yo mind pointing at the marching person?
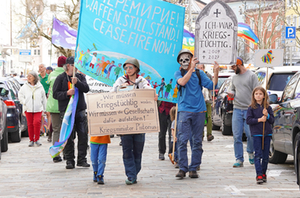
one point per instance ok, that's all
(191, 110)
(133, 144)
(32, 97)
(258, 113)
(242, 85)
(62, 91)
(52, 104)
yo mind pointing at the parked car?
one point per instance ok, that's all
(222, 112)
(221, 78)
(278, 77)
(16, 121)
(3, 128)
(286, 129)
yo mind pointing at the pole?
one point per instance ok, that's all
(291, 55)
(175, 129)
(190, 15)
(265, 104)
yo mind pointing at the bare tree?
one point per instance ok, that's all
(36, 10)
(294, 5)
(266, 21)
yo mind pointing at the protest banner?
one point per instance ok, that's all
(109, 32)
(216, 34)
(126, 112)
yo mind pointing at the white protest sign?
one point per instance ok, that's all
(126, 112)
(268, 58)
(96, 86)
(216, 34)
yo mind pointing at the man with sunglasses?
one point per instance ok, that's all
(62, 91)
(242, 86)
(133, 144)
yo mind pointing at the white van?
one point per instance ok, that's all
(278, 77)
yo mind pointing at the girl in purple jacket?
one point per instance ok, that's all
(260, 112)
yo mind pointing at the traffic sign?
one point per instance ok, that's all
(24, 55)
(290, 32)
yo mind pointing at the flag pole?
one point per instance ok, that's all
(175, 129)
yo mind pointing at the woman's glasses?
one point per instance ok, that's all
(128, 67)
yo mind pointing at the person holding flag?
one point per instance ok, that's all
(63, 89)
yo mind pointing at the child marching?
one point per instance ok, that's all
(260, 119)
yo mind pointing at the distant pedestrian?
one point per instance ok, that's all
(32, 97)
(22, 75)
(242, 85)
(257, 114)
(98, 156)
(52, 105)
(49, 70)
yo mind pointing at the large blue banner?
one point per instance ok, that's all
(110, 31)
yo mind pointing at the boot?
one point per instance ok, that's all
(95, 176)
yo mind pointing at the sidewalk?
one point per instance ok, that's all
(30, 172)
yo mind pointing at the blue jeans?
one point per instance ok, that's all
(239, 126)
(189, 122)
(132, 146)
(261, 158)
(98, 157)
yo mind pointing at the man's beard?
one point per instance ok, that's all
(238, 70)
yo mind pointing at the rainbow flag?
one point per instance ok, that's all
(188, 41)
(246, 32)
(66, 126)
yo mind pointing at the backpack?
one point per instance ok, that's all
(182, 74)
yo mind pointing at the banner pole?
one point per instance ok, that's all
(175, 129)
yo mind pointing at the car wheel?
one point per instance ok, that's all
(297, 156)
(4, 141)
(276, 157)
(226, 130)
(16, 136)
(214, 127)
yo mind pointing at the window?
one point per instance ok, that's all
(295, 21)
(53, 8)
(38, 52)
(34, 52)
(269, 24)
(297, 91)
(289, 90)
(49, 52)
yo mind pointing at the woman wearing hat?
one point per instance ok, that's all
(133, 144)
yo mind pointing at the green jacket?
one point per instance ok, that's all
(52, 104)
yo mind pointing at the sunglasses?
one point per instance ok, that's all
(128, 67)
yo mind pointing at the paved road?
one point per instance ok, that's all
(30, 172)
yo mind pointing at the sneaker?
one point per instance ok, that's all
(161, 156)
(180, 174)
(170, 157)
(259, 179)
(193, 174)
(95, 179)
(264, 176)
(210, 138)
(38, 143)
(251, 158)
(100, 180)
(83, 164)
(70, 165)
(238, 164)
(49, 139)
(57, 159)
(31, 144)
(130, 181)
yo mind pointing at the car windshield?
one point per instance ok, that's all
(221, 79)
(278, 81)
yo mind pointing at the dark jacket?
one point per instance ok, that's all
(60, 89)
(256, 128)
